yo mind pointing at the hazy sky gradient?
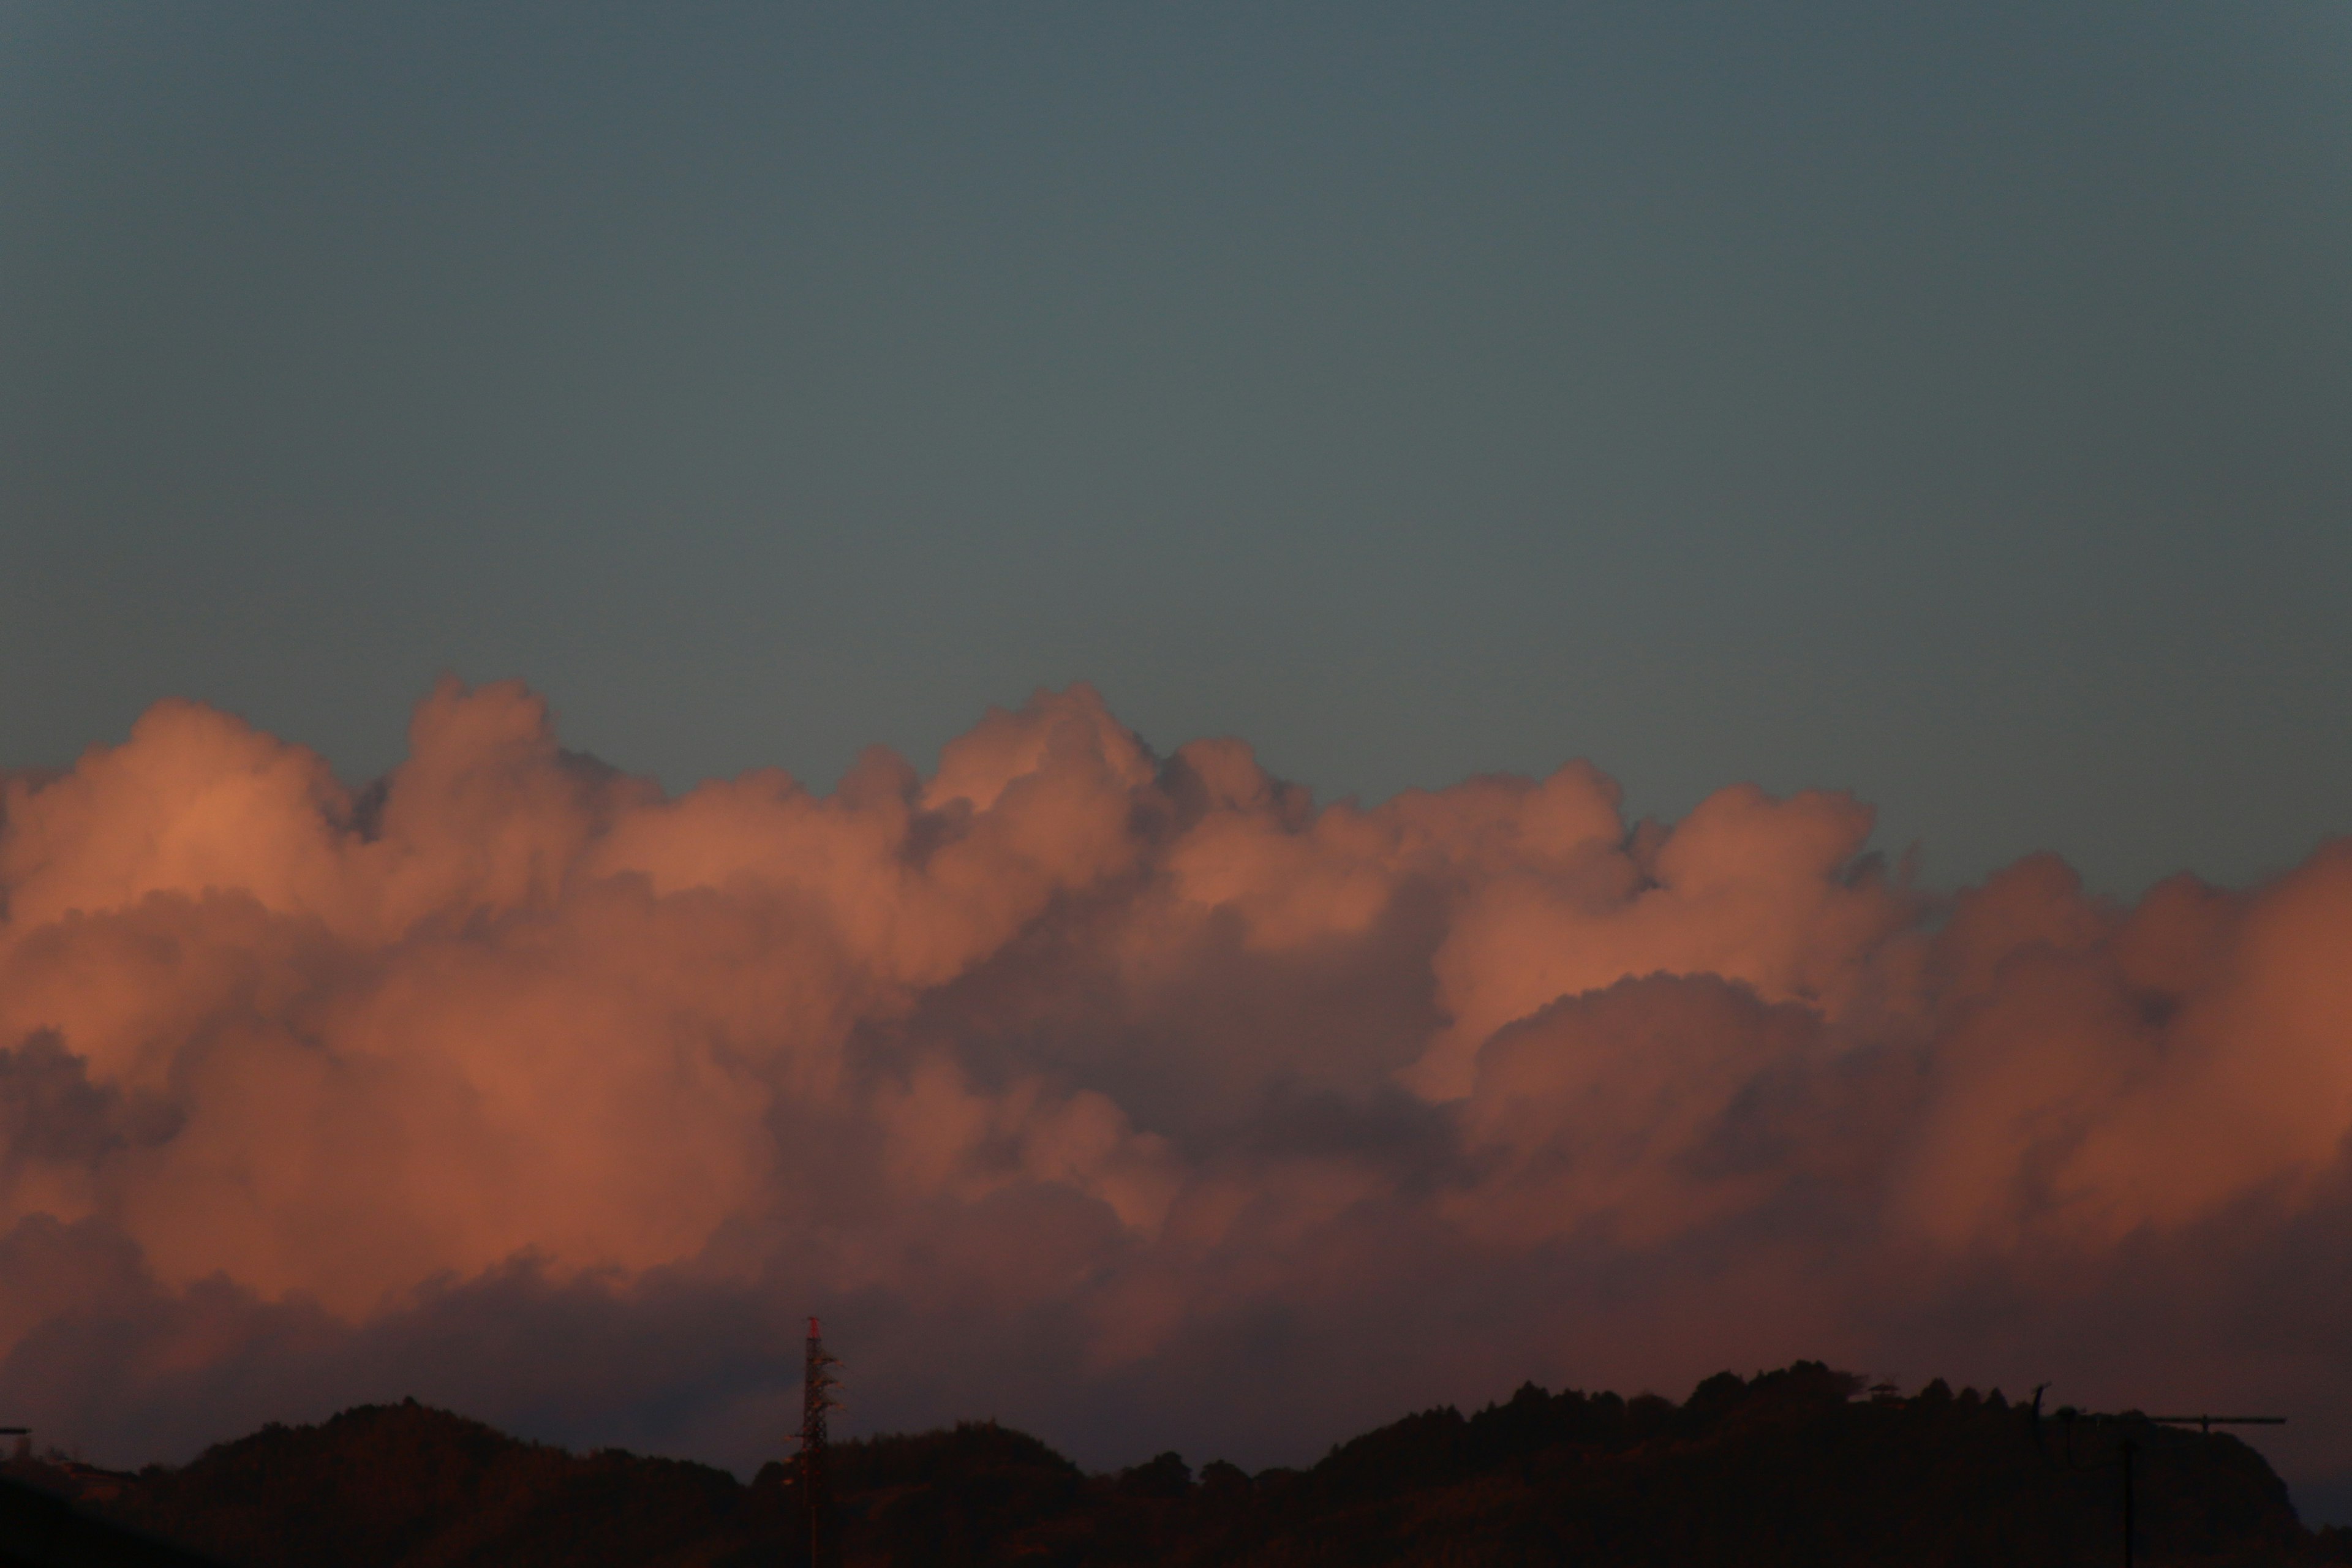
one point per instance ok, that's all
(1949, 404)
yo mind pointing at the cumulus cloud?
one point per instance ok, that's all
(1138, 1098)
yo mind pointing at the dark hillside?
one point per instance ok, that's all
(1789, 1468)
(409, 1485)
(1783, 1470)
(41, 1529)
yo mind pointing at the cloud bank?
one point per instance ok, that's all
(1138, 1099)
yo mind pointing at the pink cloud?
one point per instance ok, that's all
(1072, 1075)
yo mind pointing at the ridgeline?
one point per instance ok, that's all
(1789, 1468)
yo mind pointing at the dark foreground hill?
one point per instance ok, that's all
(1787, 1468)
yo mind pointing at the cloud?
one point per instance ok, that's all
(1140, 1099)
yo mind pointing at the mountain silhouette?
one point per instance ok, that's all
(1790, 1467)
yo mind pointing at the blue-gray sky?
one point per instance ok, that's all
(1953, 404)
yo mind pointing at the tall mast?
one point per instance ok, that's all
(817, 1397)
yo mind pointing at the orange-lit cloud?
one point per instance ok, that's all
(1138, 1098)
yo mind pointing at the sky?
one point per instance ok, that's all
(1940, 402)
(1209, 718)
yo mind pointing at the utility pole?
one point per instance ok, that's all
(2130, 1448)
(816, 1397)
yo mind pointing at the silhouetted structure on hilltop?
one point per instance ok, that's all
(2130, 1444)
(817, 1387)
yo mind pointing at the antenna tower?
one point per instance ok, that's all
(816, 1398)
